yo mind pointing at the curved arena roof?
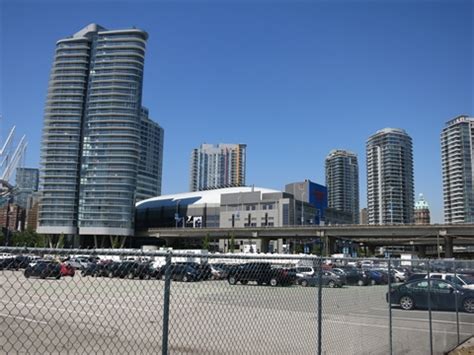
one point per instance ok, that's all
(198, 197)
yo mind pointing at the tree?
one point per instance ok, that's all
(27, 238)
(206, 242)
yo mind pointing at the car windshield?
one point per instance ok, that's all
(468, 279)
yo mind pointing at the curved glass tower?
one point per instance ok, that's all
(91, 147)
(390, 187)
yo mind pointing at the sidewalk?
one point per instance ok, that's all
(466, 348)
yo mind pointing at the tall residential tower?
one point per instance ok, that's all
(457, 153)
(390, 187)
(342, 182)
(91, 135)
(151, 158)
(218, 166)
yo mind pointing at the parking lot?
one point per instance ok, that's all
(86, 315)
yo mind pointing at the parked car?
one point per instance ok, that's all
(67, 270)
(329, 279)
(443, 294)
(376, 277)
(262, 273)
(417, 276)
(7, 264)
(43, 269)
(79, 263)
(129, 269)
(353, 276)
(181, 272)
(218, 273)
(463, 280)
(94, 270)
(399, 275)
(302, 271)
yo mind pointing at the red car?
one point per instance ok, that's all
(67, 270)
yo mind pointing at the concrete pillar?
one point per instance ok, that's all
(330, 245)
(264, 242)
(421, 249)
(448, 247)
(279, 246)
(371, 250)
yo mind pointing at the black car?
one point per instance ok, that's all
(262, 273)
(443, 294)
(181, 272)
(7, 264)
(354, 276)
(204, 269)
(129, 270)
(43, 269)
(94, 270)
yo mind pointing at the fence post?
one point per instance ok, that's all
(429, 308)
(166, 304)
(389, 300)
(320, 304)
(456, 301)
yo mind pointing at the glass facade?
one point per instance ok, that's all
(390, 186)
(218, 166)
(91, 137)
(342, 182)
(457, 152)
(151, 158)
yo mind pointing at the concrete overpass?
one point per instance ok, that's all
(446, 235)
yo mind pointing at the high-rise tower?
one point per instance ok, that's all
(150, 166)
(218, 166)
(457, 152)
(390, 187)
(91, 135)
(342, 182)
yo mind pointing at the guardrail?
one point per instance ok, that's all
(154, 301)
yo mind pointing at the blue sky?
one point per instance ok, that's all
(291, 79)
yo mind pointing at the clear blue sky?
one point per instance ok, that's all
(291, 79)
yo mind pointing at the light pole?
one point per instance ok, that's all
(301, 187)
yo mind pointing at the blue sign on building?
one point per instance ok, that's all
(318, 197)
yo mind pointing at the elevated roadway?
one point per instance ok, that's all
(374, 235)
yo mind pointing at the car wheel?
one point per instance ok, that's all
(331, 284)
(468, 305)
(244, 282)
(304, 283)
(58, 277)
(232, 280)
(373, 282)
(185, 278)
(406, 303)
(360, 283)
(27, 274)
(273, 281)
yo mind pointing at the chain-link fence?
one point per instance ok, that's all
(79, 301)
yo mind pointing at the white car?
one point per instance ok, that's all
(304, 271)
(463, 280)
(400, 275)
(80, 263)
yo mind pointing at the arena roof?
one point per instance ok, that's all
(198, 197)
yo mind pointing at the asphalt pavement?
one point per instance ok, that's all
(102, 315)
